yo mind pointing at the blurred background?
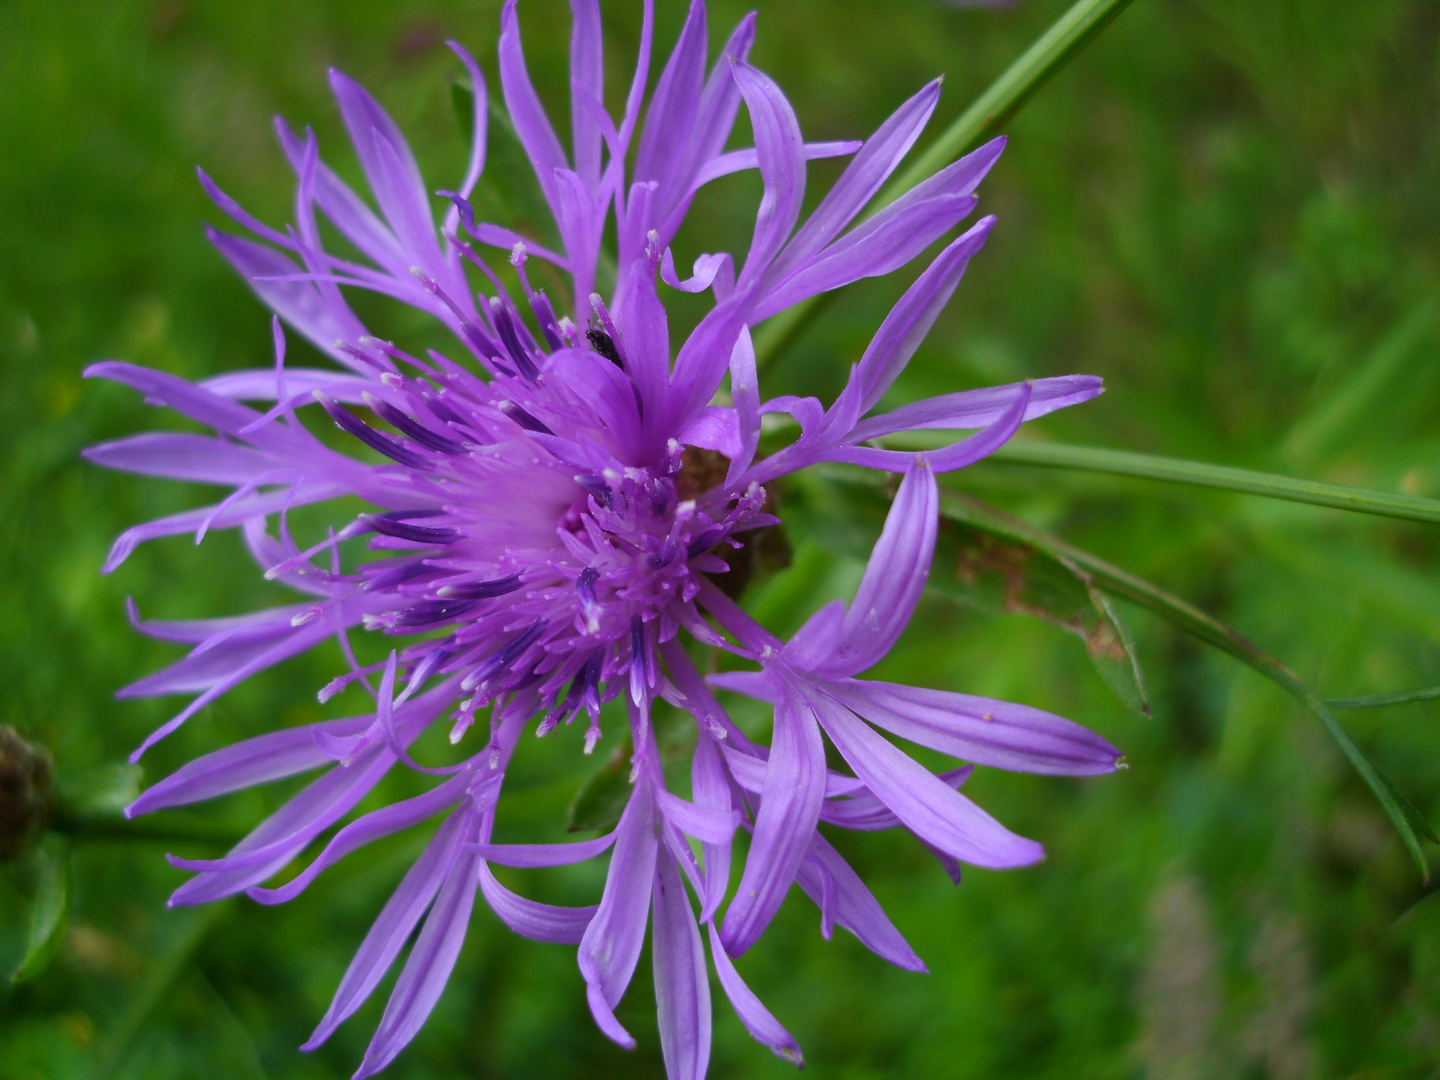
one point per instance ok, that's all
(1228, 210)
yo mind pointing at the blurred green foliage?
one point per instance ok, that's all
(1228, 209)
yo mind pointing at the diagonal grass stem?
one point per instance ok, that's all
(983, 119)
(1201, 474)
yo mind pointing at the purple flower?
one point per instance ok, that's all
(544, 538)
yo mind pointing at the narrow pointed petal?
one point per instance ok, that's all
(532, 919)
(182, 457)
(533, 855)
(874, 248)
(947, 459)
(866, 813)
(587, 76)
(983, 730)
(863, 177)
(711, 789)
(971, 409)
(260, 760)
(611, 946)
(930, 808)
(912, 317)
(532, 126)
(758, 1020)
(284, 834)
(782, 167)
(430, 962)
(299, 303)
(794, 790)
(745, 392)
(392, 928)
(827, 877)
(682, 985)
(894, 579)
(670, 118)
(390, 819)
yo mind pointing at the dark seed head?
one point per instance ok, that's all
(25, 771)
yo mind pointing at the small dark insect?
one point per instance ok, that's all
(604, 344)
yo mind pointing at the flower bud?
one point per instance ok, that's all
(25, 771)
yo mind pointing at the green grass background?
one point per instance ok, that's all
(1227, 208)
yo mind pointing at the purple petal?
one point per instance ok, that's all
(710, 825)
(972, 409)
(757, 1019)
(544, 854)
(476, 165)
(182, 457)
(894, 579)
(790, 807)
(912, 317)
(866, 813)
(828, 879)
(260, 760)
(281, 836)
(392, 928)
(179, 394)
(612, 942)
(872, 249)
(745, 392)
(388, 819)
(350, 213)
(587, 75)
(430, 962)
(782, 167)
(733, 161)
(682, 985)
(532, 126)
(929, 808)
(714, 119)
(670, 117)
(978, 729)
(751, 770)
(408, 210)
(299, 303)
(532, 919)
(262, 384)
(862, 179)
(955, 456)
(710, 785)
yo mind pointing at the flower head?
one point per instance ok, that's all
(545, 538)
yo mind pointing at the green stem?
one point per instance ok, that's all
(1186, 616)
(1180, 471)
(1375, 701)
(1004, 97)
(1000, 101)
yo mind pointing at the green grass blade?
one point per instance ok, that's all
(1403, 815)
(1000, 101)
(1350, 406)
(1376, 701)
(1201, 474)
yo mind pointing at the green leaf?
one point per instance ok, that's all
(601, 800)
(1000, 101)
(49, 911)
(1407, 820)
(1375, 701)
(1201, 474)
(1006, 577)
